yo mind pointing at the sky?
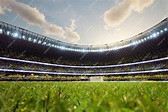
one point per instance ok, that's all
(85, 22)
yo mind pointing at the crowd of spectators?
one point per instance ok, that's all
(14, 65)
(4, 64)
(46, 77)
(5, 53)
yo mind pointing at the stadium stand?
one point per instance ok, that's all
(25, 55)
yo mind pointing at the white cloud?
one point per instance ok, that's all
(141, 4)
(54, 30)
(32, 16)
(70, 34)
(118, 14)
(1, 10)
(25, 12)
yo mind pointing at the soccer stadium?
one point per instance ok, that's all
(42, 73)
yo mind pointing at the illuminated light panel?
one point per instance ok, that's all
(1, 31)
(15, 35)
(151, 36)
(83, 50)
(161, 31)
(92, 74)
(148, 37)
(8, 32)
(101, 50)
(134, 43)
(39, 42)
(49, 44)
(29, 39)
(62, 47)
(154, 35)
(44, 43)
(23, 37)
(35, 40)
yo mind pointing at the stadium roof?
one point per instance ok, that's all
(24, 34)
(19, 40)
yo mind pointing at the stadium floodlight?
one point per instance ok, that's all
(49, 44)
(59, 47)
(83, 50)
(158, 33)
(161, 31)
(23, 37)
(39, 42)
(56, 46)
(8, 32)
(139, 41)
(116, 48)
(69, 49)
(148, 37)
(165, 29)
(151, 36)
(101, 50)
(35, 40)
(154, 35)
(79, 50)
(44, 43)
(135, 43)
(29, 39)
(142, 40)
(15, 34)
(1, 31)
(62, 47)
(75, 49)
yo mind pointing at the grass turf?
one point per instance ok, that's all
(84, 96)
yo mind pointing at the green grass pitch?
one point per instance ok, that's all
(83, 96)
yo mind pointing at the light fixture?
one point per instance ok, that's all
(44, 43)
(161, 31)
(23, 37)
(62, 47)
(154, 34)
(15, 35)
(0, 31)
(8, 32)
(39, 42)
(29, 39)
(35, 40)
(49, 44)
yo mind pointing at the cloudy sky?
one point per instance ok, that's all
(84, 21)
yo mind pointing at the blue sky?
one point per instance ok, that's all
(84, 21)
